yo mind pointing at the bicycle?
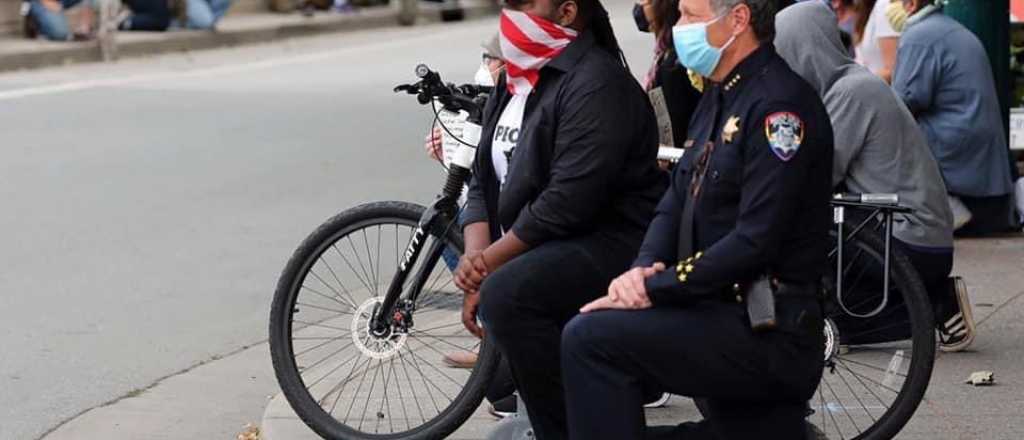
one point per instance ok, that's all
(325, 335)
(383, 330)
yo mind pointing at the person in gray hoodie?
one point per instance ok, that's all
(879, 148)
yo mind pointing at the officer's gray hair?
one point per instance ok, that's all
(762, 15)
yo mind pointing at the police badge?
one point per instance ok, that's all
(785, 132)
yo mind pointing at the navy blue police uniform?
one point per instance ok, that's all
(753, 189)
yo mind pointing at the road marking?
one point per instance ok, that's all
(74, 86)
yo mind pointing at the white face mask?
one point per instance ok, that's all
(483, 76)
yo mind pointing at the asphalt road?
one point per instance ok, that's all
(149, 205)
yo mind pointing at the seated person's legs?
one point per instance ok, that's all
(525, 304)
(200, 14)
(757, 384)
(50, 19)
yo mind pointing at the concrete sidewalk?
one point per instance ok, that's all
(234, 30)
(224, 394)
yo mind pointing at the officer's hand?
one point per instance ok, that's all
(470, 306)
(607, 303)
(629, 289)
(471, 272)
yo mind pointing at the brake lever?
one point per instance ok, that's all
(407, 88)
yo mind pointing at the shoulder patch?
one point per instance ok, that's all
(785, 132)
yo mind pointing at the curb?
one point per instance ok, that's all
(134, 45)
(280, 422)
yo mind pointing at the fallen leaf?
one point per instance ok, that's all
(251, 432)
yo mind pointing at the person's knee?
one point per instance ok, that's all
(586, 334)
(499, 300)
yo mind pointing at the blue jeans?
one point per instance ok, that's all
(52, 24)
(203, 14)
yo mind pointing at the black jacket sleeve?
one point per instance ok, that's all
(770, 195)
(590, 149)
(661, 241)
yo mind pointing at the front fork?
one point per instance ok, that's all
(436, 222)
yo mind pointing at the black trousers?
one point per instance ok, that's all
(756, 384)
(526, 303)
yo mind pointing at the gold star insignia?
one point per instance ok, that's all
(732, 125)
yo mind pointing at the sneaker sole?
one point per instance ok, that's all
(658, 403)
(968, 318)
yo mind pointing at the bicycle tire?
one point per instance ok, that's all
(906, 280)
(282, 351)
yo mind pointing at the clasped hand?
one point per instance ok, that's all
(627, 292)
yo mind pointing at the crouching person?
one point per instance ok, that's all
(742, 230)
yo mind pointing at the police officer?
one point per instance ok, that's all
(747, 213)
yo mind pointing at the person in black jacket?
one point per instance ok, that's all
(565, 183)
(747, 211)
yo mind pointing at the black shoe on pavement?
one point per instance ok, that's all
(504, 407)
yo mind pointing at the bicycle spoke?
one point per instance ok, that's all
(373, 383)
(317, 363)
(857, 396)
(336, 293)
(438, 370)
(841, 404)
(339, 312)
(344, 384)
(408, 378)
(873, 381)
(335, 275)
(352, 268)
(340, 366)
(369, 262)
(868, 389)
(359, 260)
(426, 379)
(362, 380)
(440, 340)
(328, 341)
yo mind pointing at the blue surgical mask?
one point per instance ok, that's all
(693, 49)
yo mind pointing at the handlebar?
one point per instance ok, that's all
(467, 97)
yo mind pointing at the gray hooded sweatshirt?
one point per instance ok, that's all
(879, 147)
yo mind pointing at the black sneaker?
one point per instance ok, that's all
(504, 407)
(956, 326)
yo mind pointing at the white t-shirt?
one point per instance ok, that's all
(506, 135)
(869, 54)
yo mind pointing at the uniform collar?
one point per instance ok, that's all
(570, 57)
(748, 68)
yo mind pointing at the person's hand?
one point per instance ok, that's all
(627, 292)
(664, 165)
(470, 306)
(471, 272)
(433, 145)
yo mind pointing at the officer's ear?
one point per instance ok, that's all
(739, 19)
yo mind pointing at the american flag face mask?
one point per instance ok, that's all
(528, 43)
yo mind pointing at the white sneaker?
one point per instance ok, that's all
(961, 215)
(957, 331)
(658, 403)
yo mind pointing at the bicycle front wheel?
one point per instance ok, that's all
(343, 380)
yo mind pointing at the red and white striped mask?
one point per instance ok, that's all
(528, 43)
